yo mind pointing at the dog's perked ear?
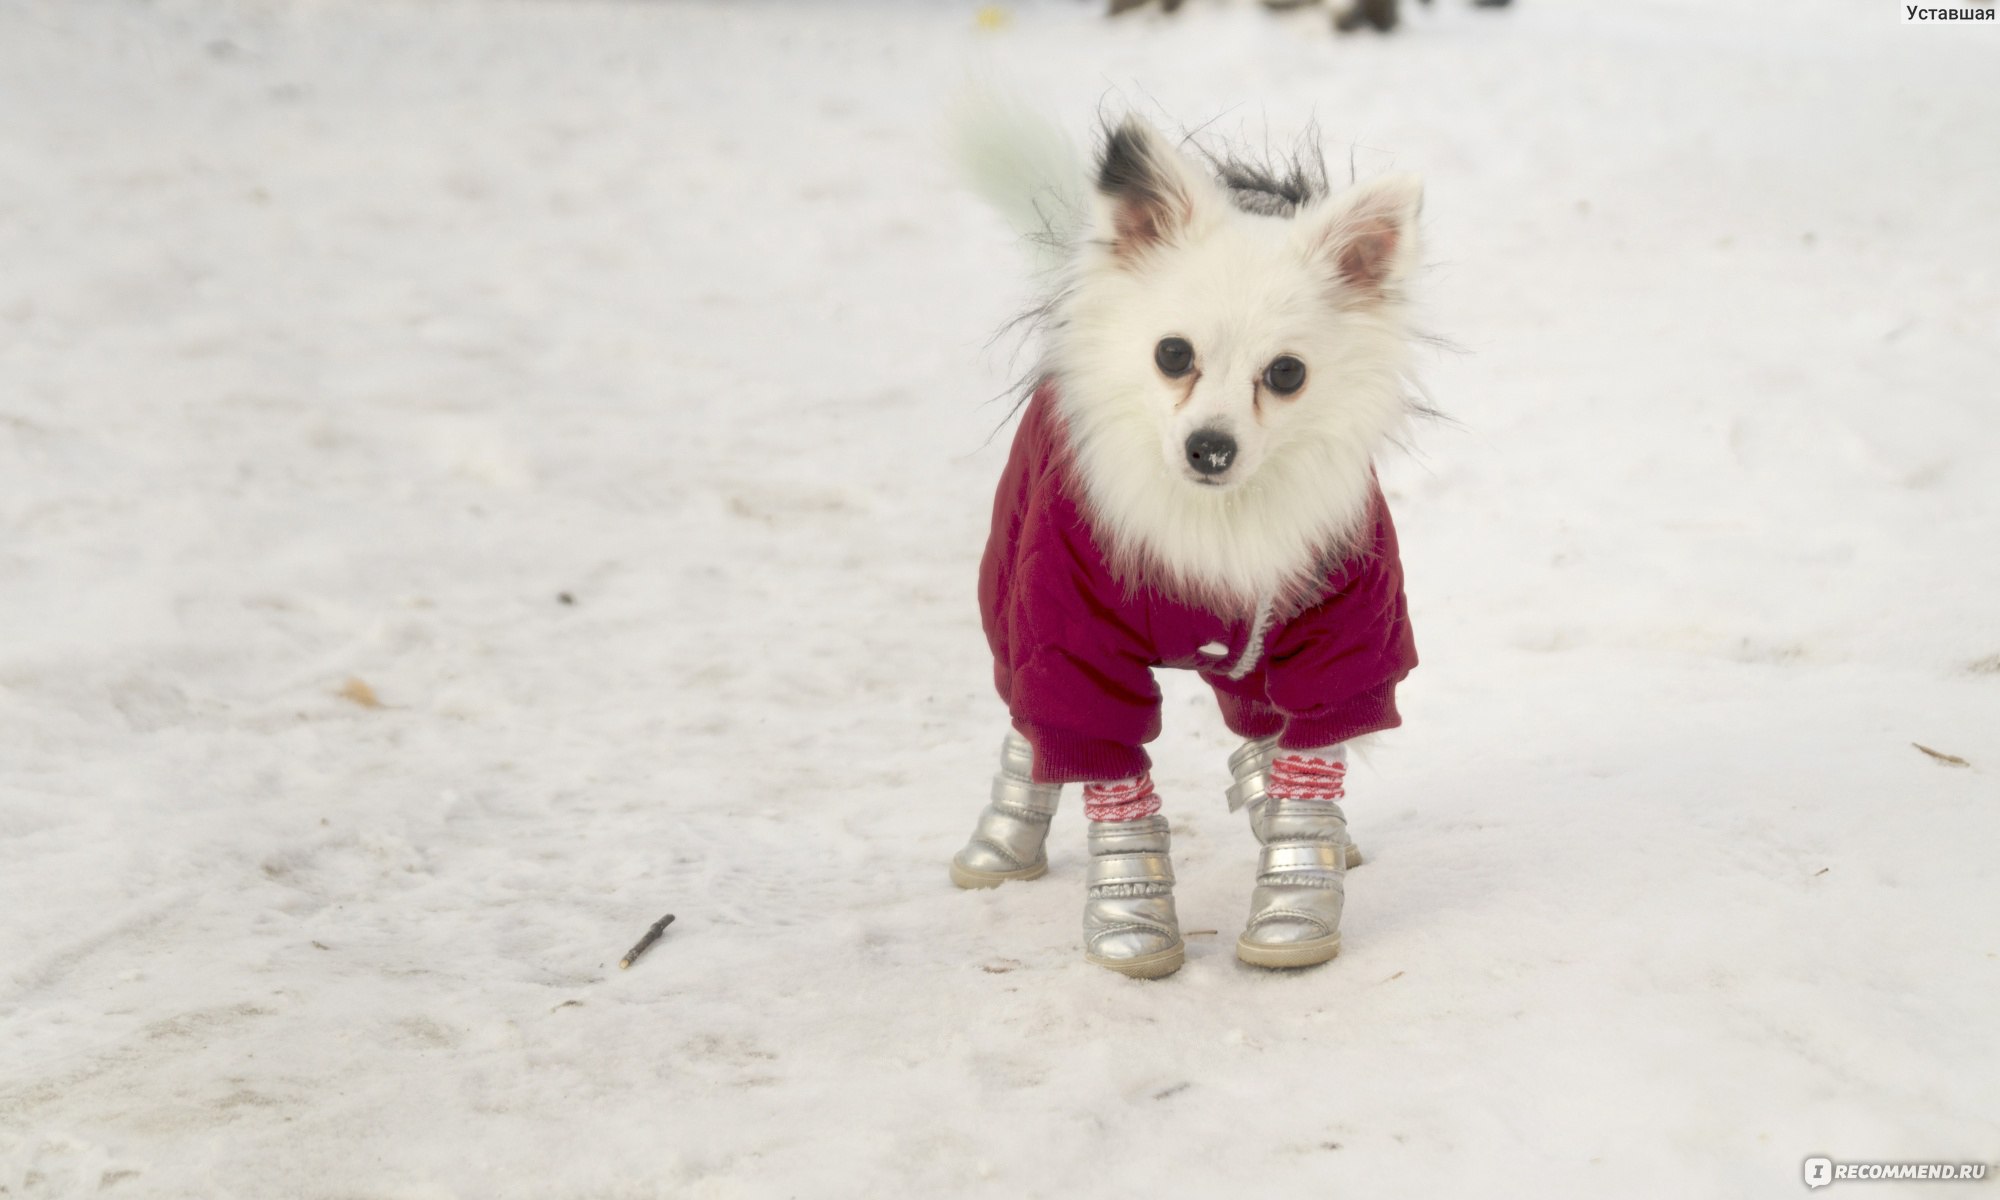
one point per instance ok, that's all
(1367, 236)
(1150, 193)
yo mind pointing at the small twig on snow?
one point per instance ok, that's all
(652, 935)
(1949, 760)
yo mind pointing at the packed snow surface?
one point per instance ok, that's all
(477, 477)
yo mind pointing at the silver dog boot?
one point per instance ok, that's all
(1301, 884)
(1007, 843)
(1129, 923)
(1250, 764)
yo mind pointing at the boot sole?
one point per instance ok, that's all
(1157, 965)
(1295, 954)
(970, 879)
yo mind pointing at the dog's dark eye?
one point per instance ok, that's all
(1174, 357)
(1285, 375)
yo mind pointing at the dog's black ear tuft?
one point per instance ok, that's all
(1148, 188)
(1125, 168)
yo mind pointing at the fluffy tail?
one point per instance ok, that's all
(1027, 168)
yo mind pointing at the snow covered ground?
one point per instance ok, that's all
(341, 342)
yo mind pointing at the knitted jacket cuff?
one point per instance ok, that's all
(1064, 757)
(1370, 712)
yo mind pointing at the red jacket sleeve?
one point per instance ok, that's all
(1067, 659)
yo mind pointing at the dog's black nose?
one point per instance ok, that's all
(1210, 451)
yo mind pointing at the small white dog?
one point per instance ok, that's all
(1191, 485)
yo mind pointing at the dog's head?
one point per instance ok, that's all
(1228, 330)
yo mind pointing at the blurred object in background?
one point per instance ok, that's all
(1376, 14)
